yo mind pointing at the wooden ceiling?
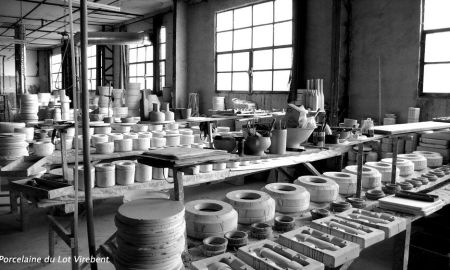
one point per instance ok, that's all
(45, 20)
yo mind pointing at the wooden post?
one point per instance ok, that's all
(178, 186)
(359, 173)
(394, 158)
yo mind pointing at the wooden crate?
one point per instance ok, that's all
(204, 264)
(43, 189)
(346, 251)
(392, 225)
(249, 256)
(363, 235)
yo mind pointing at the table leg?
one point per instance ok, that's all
(401, 249)
(23, 216)
(359, 173)
(13, 201)
(178, 186)
(211, 145)
(394, 158)
(51, 241)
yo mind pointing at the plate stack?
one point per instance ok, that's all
(13, 146)
(150, 235)
(133, 98)
(29, 108)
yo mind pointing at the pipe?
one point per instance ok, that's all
(75, 118)
(114, 38)
(86, 146)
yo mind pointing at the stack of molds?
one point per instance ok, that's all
(252, 206)
(436, 142)
(385, 169)
(289, 198)
(222, 261)
(405, 166)
(321, 189)
(205, 218)
(371, 178)
(346, 181)
(419, 161)
(357, 233)
(390, 224)
(434, 159)
(268, 255)
(330, 250)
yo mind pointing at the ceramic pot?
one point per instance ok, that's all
(42, 149)
(156, 115)
(256, 145)
(143, 173)
(81, 177)
(278, 143)
(169, 116)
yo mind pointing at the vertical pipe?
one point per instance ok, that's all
(394, 158)
(85, 119)
(75, 118)
(20, 59)
(360, 158)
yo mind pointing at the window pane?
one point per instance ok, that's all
(283, 10)
(281, 80)
(436, 14)
(133, 79)
(149, 82)
(283, 58)
(243, 17)
(140, 80)
(283, 33)
(436, 78)
(262, 81)
(224, 21)
(263, 36)
(263, 13)
(224, 62)
(223, 81)
(162, 52)
(162, 82)
(262, 59)
(149, 53)
(240, 81)
(141, 54)
(242, 39)
(162, 68)
(162, 35)
(241, 61)
(132, 55)
(140, 69)
(437, 47)
(224, 41)
(149, 71)
(132, 70)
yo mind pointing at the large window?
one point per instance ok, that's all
(92, 67)
(55, 70)
(140, 67)
(142, 61)
(162, 58)
(435, 53)
(254, 47)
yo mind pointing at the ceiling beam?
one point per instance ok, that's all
(92, 9)
(23, 17)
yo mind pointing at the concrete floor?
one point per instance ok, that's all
(34, 242)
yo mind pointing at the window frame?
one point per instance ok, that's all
(92, 69)
(156, 76)
(251, 50)
(422, 63)
(58, 73)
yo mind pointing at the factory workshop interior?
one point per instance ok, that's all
(224, 134)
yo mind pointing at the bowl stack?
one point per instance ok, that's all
(133, 98)
(150, 234)
(13, 146)
(29, 108)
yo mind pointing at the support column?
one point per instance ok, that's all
(180, 54)
(20, 60)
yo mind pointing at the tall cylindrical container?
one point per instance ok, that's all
(278, 144)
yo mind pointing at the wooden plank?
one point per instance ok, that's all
(23, 167)
(180, 153)
(410, 127)
(43, 189)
